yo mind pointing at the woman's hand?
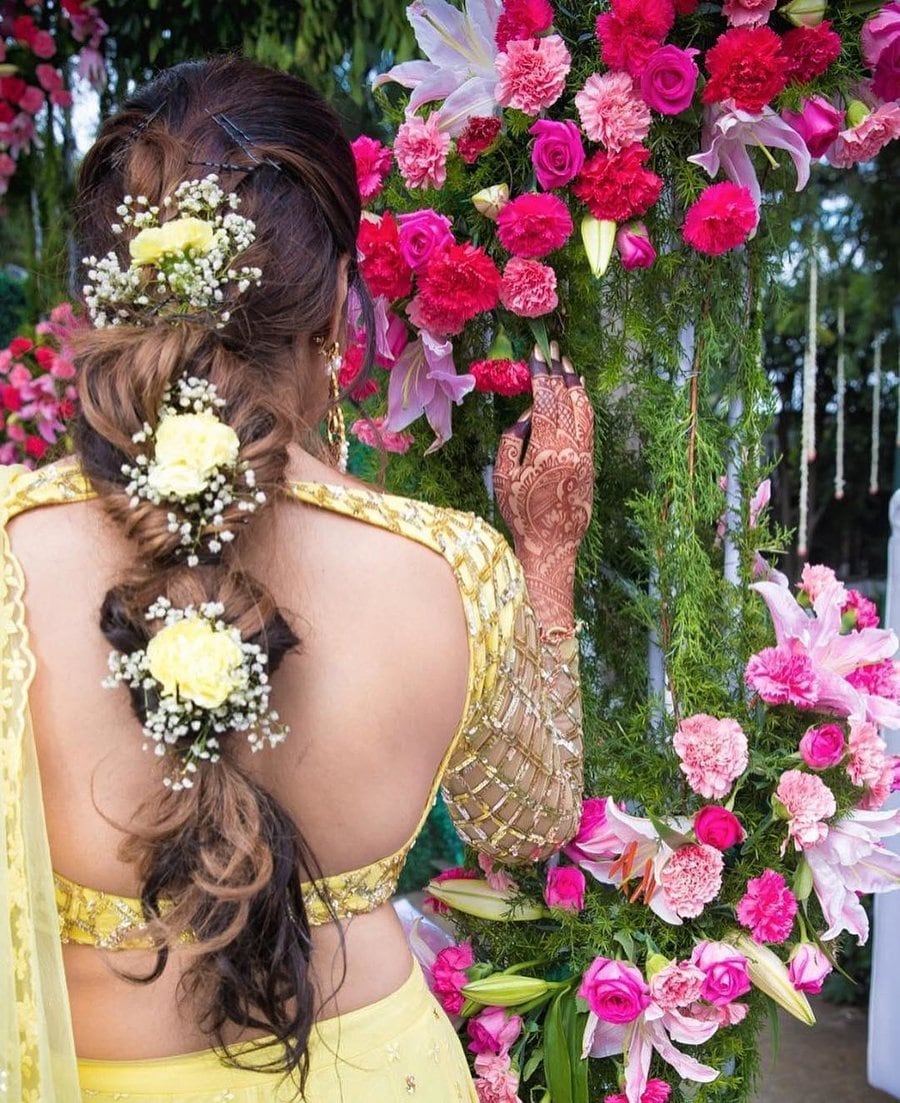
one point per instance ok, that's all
(544, 485)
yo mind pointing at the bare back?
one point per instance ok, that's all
(373, 698)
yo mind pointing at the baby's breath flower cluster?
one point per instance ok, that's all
(199, 681)
(194, 464)
(182, 258)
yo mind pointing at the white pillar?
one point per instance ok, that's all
(884, 1006)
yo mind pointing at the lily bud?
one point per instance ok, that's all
(769, 974)
(505, 989)
(491, 201)
(857, 112)
(655, 964)
(803, 881)
(479, 899)
(805, 13)
(502, 348)
(599, 239)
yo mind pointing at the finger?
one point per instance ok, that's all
(538, 364)
(516, 437)
(584, 417)
(570, 376)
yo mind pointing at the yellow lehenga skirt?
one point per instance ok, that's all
(402, 1047)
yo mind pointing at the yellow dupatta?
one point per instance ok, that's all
(37, 1054)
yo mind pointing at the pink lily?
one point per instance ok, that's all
(461, 49)
(424, 380)
(833, 655)
(852, 859)
(728, 131)
(655, 1029)
(636, 850)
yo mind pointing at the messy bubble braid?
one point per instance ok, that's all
(218, 856)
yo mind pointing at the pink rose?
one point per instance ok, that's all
(634, 246)
(677, 985)
(615, 990)
(808, 967)
(496, 1081)
(449, 976)
(421, 234)
(818, 124)
(565, 888)
(726, 972)
(886, 78)
(493, 1031)
(528, 288)
(557, 154)
(718, 827)
(879, 32)
(669, 80)
(822, 747)
(748, 13)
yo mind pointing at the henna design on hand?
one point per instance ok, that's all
(544, 486)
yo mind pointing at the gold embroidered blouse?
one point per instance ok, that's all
(512, 776)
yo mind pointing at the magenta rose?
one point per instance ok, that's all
(422, 233)
(808, 967)
(818, 124)
(718, 827)
(669, 80)
(726, 971)
(886, 79)
(822, 747)
(557, 154)
(634, 246)
(879, 32)
(615, 991)
(565, 888)
(493, 1031)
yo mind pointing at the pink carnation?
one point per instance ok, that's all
(371, 432)
(677, 986)
(498, 879)
(449, 976)
(421, 149)
(532, 73)
(528, 288)
(877, 679)
(815, 579)
(534, 225)
(631, 31)
(864, 611)
(523, 19)
(373, 163)
(721, 218)
(808, 802)
(713, 753)
(782, 676)
(863, 142)
(691, 878)
(506, 377)
(868, 754)
(657, 1091)
(768, 908)
(611, 113)
(748, 13)
(496, 1081)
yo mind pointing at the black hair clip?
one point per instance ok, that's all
(224, 166)
(241, 139)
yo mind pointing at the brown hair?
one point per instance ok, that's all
(223, 852)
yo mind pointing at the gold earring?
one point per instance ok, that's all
(335, 427)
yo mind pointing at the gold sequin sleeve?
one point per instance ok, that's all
(514, 781)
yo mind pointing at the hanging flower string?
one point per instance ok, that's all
(179, 267)
(876, 415)
(199, 680)
(808, 431)
(195, 464)
(839, 484)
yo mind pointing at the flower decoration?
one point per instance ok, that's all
(182, 258)
(195, 465)
(198, 681)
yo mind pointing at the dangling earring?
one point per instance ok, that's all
(335, 429)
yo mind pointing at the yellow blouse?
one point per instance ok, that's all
(512, 776)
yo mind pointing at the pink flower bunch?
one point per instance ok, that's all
(768, 907)
(713, 753)
(449, 976)
(808, 803)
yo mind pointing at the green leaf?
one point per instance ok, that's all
(539, 331)
(625, 940)
(531, 1065)
(566, 1071)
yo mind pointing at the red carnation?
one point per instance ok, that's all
(66, 409)
(533, 225)
(810, 51)
(457, 284)
(10, 397)
(632, 31)
(686, 7)
(18, 346)
(617, 186)
(479, 135)
(523, 19)
(45, 356)
(746, 65)
(506, 377)
(721, 219)
(351, 369)
(381, 262)
(36, 448)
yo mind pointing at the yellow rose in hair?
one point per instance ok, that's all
(177, 236)
(192, 659)
(189, 447)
